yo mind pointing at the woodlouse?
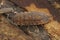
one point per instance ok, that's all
(29, 18)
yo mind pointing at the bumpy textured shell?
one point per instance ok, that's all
(29, 18)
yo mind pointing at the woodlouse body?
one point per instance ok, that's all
(29, 18)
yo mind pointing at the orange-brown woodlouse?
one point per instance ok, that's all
(29, 18)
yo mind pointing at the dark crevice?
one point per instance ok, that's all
(42, 32)
(5, 15)
(23, 28)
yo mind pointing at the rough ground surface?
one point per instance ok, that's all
(33, 5)
(10, 32)
(43, 6)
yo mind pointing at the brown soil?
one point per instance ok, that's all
(43, 6)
